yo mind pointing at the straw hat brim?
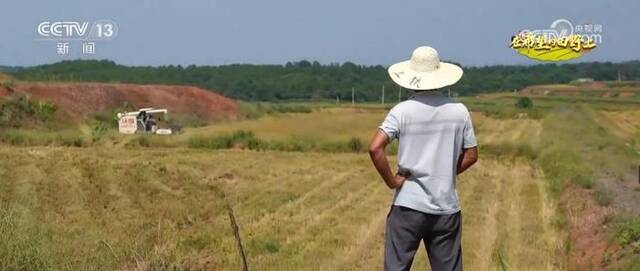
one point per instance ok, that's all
(445, 75)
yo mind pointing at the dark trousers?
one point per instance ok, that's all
(440, 233)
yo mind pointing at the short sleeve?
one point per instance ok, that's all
(391, 125)
(469, 136)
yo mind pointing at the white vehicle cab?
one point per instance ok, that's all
(145, 120)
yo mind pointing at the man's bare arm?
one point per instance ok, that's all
(377, 148)
(467, 159)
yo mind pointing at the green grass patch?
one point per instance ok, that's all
(509, 149)
(21, 137)
(583, 181)
(246, 139)
(629, 233)
(562, 165)
(257, 110)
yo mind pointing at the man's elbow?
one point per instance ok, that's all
(471, 155)
(473, 160)
(375, 150)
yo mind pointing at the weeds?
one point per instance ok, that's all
(98, 132)
(628, 234)
(509, 149)
(583, 181)
(561, 165)
(245, 139)
(18, 249)
(21, 111)
(603, 196)
(559, 221)
(20, 137)
(239, 139)
(257, 110)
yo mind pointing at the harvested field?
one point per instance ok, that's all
(163, 208)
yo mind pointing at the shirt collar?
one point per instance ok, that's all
(427, 93)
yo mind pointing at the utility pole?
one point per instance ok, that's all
(383, 94)
(619, 77)
(399, 92)
(337, 99)
(353, 96)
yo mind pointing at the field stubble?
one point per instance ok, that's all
(124, 209)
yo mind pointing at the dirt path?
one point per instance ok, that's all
(586, 232)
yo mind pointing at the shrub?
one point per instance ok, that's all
(355, 144)
(583, 181)
(44, 111)
(524, 102)
(98, 132)
(21, 111)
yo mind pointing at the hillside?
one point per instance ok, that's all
(306, 80)
(80, 100)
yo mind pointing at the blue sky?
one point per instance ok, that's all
(209, 32)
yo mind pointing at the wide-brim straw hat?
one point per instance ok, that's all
(424, 71)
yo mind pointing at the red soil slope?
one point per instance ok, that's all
(79, 100)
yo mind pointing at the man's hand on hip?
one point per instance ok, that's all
(399, 178)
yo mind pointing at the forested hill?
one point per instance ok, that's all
(311, 80)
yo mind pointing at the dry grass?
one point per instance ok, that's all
(340, 124)
(96, 208)
(327, 124)
(492, 131)
(142, 209)
(624, 124)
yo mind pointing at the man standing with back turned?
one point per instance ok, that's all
(436, 142)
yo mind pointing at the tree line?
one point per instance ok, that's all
(304, 80)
